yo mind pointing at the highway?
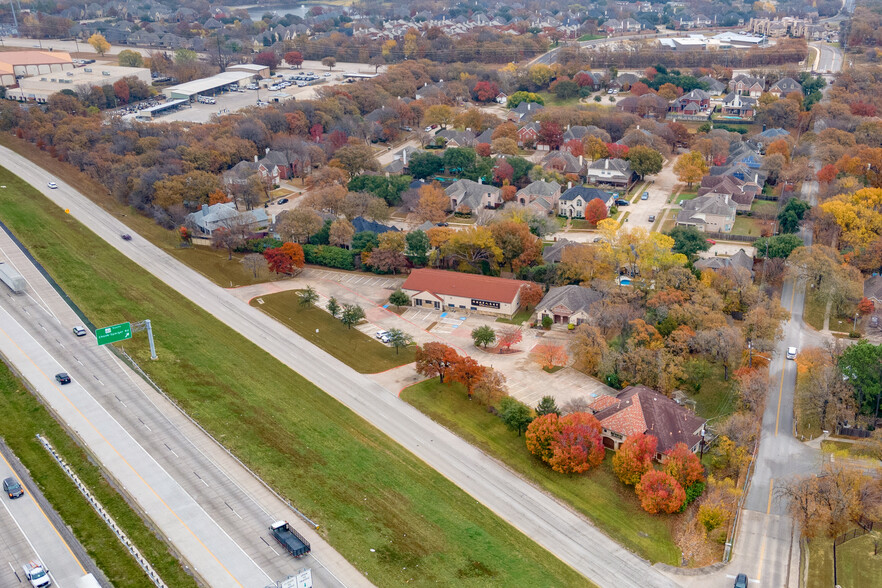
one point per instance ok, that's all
(549, 522)
(212, 510)
(29, 531)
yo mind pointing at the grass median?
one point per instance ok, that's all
(396, 519)
(24, 417)
(357, 350)
(611, 505)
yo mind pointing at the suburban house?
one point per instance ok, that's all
(456, 138)
(873, 290)
(735, 104)
(714, 87)
(224, 215)
(740, 259)
(441, 290)
(275, 164)
(616, 172)
(361, 224)
(741, 192)
(568, 304)
(539, 189)
(572, 203)
(785, 86)
(564, 162)
(693, 102)
(524, 112)
(712, 213)
(473, 195)
(746, 85)
(554, 252)
(638, 409)
(528, 134)
(241, 173)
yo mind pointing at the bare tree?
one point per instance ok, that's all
(255, 263)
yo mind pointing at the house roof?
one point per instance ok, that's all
(873, 288)
(463, 285)
(587, 194)
(540, 188)
(740, 259)
(787, 85)
(719, 204)
(638, 409)
(554, 252)
(573, 298)
(619, 165)
(469, 192)
(360, 224)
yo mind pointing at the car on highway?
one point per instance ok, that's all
(791, 353)
(79, 331)
(12, 488)
(126, 237)
(645, 196)
(62, 378)
(741, 581)
(37, 574)
(53, 185)
(282, 201)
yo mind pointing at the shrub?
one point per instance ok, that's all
(660, 492)
(329, 256)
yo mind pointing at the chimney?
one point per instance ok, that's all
(480, 179)
(255, 159)
(267, 151)
(404, 157)
(204, 209)
(581, 160)
(569, 185)
(529, 105)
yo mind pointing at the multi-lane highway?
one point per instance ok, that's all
(212, 510)
(552, 524)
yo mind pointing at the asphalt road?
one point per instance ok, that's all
(550, 523)
(28, 534)
(830, 60)
(200, 497)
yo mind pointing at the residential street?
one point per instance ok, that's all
(553, 525)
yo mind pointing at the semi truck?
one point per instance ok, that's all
(12, 278)
(37, 574)
(290, 539)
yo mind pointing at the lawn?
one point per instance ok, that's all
(717, 396)
(813, 313)
(363, 489)
(518, 319)
(552, 100)
(855, 562)
(682, 196)
(361, 352)
(745, 225)
(31, 417)
(588, 37)
(768, 207)
(599, 495)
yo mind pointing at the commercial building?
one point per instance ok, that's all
(442, 290)
(261, 71)
(20, 64)
(209, 86)
(39, 88)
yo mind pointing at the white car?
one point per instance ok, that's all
(327, 74)
(791, 353)
(53, 185)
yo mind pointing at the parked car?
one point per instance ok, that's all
(598, 239)
(622, 202)
(79, 331)
(282, 201)
(53, 185)
(645, 196)
(652, 218)
(62, 378)
(791, 353)
(12, 488)
(711, 241)
(741, 581)
(874, 321)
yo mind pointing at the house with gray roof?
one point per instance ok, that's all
(716, 263)
(470, 195)
(572, 203)
(712, 213)
(741, 192)
(785, 86)
(568, 304)
(223, 215)
(615, 172)
(524, 112)
(538, 189)
(714, 87)
(873, 290)
(564, 162)
(554, 252)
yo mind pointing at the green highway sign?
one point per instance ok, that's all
(114, 333)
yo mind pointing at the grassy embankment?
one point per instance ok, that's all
(364, 490)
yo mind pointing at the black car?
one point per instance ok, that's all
(12, 488)
(62, 378)
(741, 581)
(621, 202)
(282, 201)
(126, 237)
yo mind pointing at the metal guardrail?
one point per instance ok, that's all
(730, 540)
(120, 534)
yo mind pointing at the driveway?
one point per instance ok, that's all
(660, 188)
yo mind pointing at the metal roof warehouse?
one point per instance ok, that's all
(207, 85)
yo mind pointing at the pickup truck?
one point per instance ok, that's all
(37, 574)
(290, 539)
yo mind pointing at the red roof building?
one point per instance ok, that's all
(638, 409)
(435, 289)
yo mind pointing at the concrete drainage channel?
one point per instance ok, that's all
(142, 561)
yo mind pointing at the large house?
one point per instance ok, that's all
(785, 86)
(741, 192)
(568, 304)
(524, 112)
(716, 263)
(554, 252)
(564, 162)
(473, 195)
(224, 215)
(737, 105)
(443, 290)
(712, 213)
(572, 203)
(692, 103)
(638, 409)
(714, 87)
(616, 172)
(540, 195)
(746, 85)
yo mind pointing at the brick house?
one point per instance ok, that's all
(436, 289)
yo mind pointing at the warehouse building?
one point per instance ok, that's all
(39, 88)
(434, 289)
(21, 64)
(209, 86)
(262, 71)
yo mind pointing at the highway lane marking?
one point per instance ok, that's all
(97, 379)
(145, 425)
(200, 479)
(172, 450)
(771, 485)
(120, 401)
(271, 547)
(231, 508)
(37, 504)
(123, 459)
(784, 365)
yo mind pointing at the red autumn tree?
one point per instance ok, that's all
(649, 73)
(315, 131)
(866, 306)
(550, 134)
(660, 492)
(684, 466)
(436, 359)
(827, 173)
(549, 356)
(278, 261)
(295, 252)
(267, 58)
(862, 109)
(121, 91)
(595, 211)
(483, 149)
(531, 294)
(639, 89)
(294, 58)
(508, 336)
(578, 446)
(541, 434)
(467, 372)
(509, 193)
(583, 79)
(575, 147)
(503, 172)
(634, 457)
(485, 91)
(616, 150)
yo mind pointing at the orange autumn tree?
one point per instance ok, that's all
(660, 492)
(549, 356)
(467, 372)
(541, 434)
(436, 359)
(684, 466)
(578, 446)
(634, 457)
(295, 252)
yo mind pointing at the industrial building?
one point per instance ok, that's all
(262, 71)
(209, 86)
(38, 88)
(21, 64)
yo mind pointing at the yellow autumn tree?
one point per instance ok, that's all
(690, 167)
(99, 43)
(859, 215)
